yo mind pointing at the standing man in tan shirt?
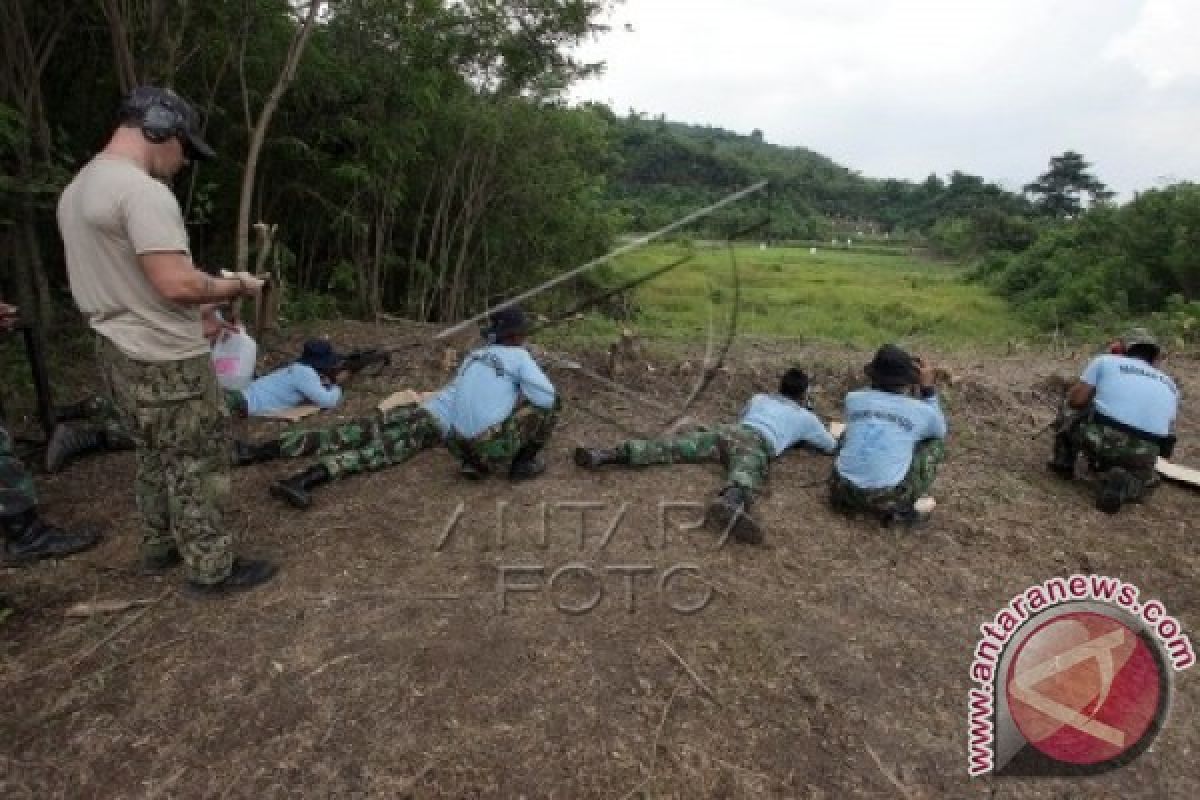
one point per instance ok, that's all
(132, 275)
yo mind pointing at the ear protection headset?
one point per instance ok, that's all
(160, 122)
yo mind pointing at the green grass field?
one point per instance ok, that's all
(833, 295)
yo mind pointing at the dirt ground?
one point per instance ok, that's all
(831, 662)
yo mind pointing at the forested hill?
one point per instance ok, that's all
(666, 168)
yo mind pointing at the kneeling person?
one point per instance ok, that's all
(893, 443)
(1120, 413)
(769, 425)
(497, 413)
(503, 408)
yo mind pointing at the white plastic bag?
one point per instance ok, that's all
(233, 358)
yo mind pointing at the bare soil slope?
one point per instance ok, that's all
(831, 662)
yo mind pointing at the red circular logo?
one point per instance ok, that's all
(1084, 688)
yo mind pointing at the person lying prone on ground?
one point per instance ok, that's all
(93, 424)
(769, 425)
(496, 415)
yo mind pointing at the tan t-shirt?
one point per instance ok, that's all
(111, 213)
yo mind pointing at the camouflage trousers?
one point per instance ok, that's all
(16, 484)
(927, 457)
(365, 444)
(235, 403)
(528, 428)
(1106, 448)
(174, 412)
(745, 454)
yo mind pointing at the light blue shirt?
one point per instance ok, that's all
(288, 387)
(488, 384)
(441, 406)
(783, 422)
(882, 429)
(1134, 393)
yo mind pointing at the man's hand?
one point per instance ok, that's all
(250, 284)
(213, 324)
(927, 376)
(8, 316)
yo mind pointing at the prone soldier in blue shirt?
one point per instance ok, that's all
(769, 425)
(495, 416)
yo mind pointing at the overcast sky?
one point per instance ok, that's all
(902, 88)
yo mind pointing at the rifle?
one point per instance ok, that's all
(356, 361)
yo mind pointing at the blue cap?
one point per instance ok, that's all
(320, 355)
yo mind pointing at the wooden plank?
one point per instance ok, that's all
(290, 414)
(1178, 473)
(404, 397)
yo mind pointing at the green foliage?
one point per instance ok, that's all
(305, 306)
(422, 159)
(1058, 189)
(1110, 263)
(985, 231)
(668, 169)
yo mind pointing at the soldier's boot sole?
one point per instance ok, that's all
(294, 496)
(725, 516)
(1112, 491)
(246, 574)
(158, 563)
(47, 542)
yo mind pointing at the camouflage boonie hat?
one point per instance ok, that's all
(1139, 336)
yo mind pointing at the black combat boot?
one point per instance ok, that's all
(526, 464)
(27, 538)
(593, 457)
(730, 511)
(74, 411)
(1063, 463)
(68, 441)
(160, 562)
(246, 574)
(295, 490)
(245, 453)
(1114, 489)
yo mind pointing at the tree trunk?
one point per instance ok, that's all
(118, 29)
(259, 134)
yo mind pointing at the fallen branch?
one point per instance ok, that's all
(104, 607)
(327, 665)
(88, 651)
(900, 787)
(654, 746)
(405, 789)
(691, 672)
